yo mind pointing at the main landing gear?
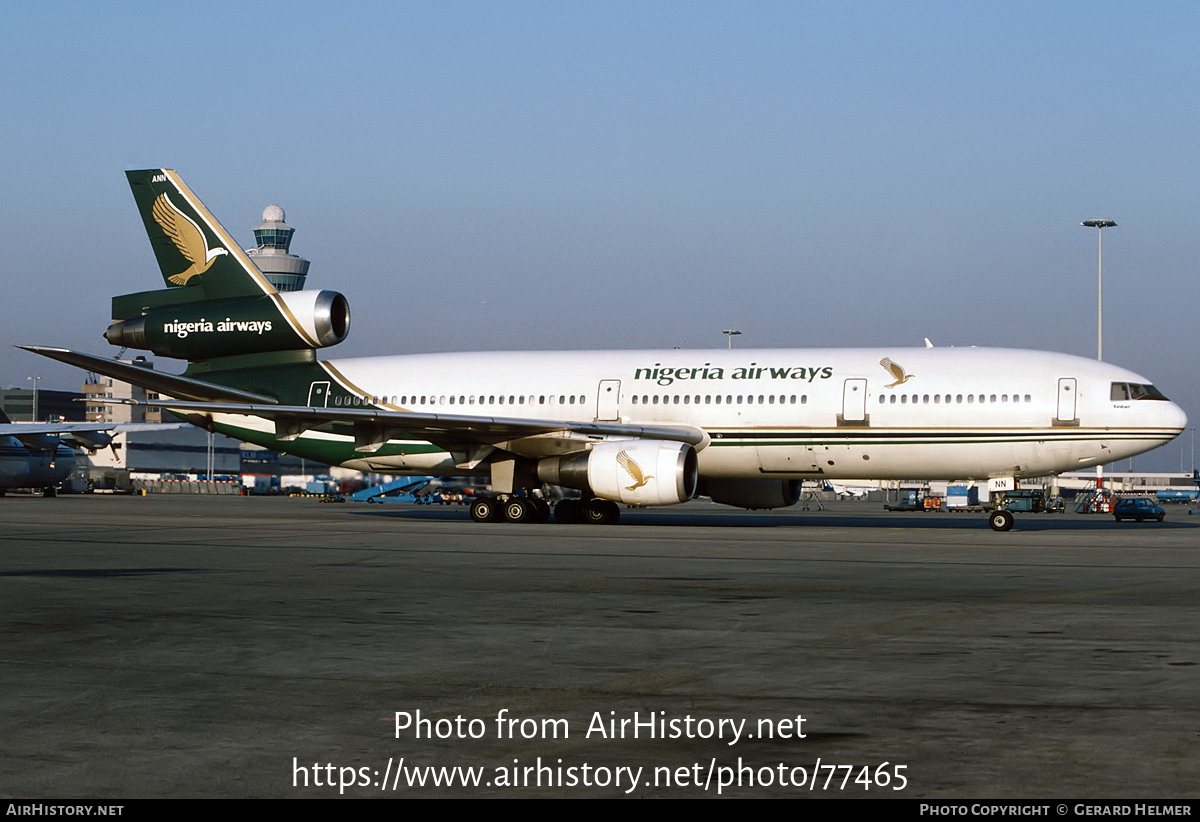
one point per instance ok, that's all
(510, 509)
(593, 512)
(535, 509)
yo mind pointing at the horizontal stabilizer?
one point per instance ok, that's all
(172, 385)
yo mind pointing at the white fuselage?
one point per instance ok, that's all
(944, 413)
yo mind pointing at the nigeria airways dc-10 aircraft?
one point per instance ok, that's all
(644, 428)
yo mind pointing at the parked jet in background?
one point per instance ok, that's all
(34, 455)
(844, 490)
(642, 428)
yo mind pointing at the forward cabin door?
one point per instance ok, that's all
(1067, 402)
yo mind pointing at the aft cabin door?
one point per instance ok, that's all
(608, 406)
(318, 394)
(1067, 390)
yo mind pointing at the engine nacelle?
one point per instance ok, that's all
(635, 472)
(756, 494)
(247, 325)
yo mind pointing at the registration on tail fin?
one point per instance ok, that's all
(217, 303)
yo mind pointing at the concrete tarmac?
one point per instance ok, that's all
(263, 647)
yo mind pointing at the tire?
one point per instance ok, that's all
(518, 510)
(486, 509)
(541, 509)
(568, 511)
(601, 512)
(1001, 520)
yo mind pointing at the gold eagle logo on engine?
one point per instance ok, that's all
(188, 238)
(633, 470)
(896, 371)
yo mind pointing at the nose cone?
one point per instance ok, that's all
(1173, 417)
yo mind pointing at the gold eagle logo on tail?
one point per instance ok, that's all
(633, 469)
(896, 371)
(188, 238)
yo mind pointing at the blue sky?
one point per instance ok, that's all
(590, 175)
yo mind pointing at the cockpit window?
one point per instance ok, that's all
(1124, 391)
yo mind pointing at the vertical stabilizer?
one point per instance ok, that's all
(192, 248)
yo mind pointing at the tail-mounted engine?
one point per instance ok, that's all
(203, 329)
(635, 472)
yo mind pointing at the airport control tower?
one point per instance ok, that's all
(286, 271)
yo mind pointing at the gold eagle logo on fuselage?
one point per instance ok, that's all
(896, 371)
(188, 238)
(633, 469)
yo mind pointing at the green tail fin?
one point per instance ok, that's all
(193, 249)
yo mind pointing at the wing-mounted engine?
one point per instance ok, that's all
(756, 494)
(92, 440)
(635, 472)
(203, 329)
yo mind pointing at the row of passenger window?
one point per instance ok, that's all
(443, 399)
(949, 399)
(580, 399)
(672, 399)
(718, 399)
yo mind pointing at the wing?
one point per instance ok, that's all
(41, 436)
(19, 429)
(372, 427)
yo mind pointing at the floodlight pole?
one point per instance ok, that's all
(34, 380)
(731, 333)
(1099, 225)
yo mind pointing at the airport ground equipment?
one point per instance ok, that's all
(1033, 500)
(1096, 501)
(405, 489)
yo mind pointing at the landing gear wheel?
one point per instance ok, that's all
(486, 509)
(568, 511)
(541, 509)
(518, 510)
(601, 512)
(1001, 520)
